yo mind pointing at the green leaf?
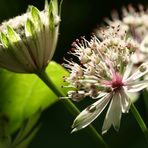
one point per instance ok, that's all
(26, 142)
(27, 131)
(5, 139)
(27, 127)
(24, 94)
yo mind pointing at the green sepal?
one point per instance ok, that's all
(60, 7)
(46, 6)
(12, 35)
(4, 40)
(29, 8)
(29, 28)
(51, 21)
(55, 6)
(36, 16)
(51, 16)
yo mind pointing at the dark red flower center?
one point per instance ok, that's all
(116, 81)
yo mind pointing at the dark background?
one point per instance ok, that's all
(79, 17)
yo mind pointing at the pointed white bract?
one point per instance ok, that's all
(105, 72)
(28, 42)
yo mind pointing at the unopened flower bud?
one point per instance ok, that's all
(28, 41)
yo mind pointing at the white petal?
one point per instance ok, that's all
(146, 78)
(101, 95)
(128, 71)
(90, 113)
(125, 101)
(137, 86)
(132, 83)
(133, 96)
(113, 115)
(138, 73)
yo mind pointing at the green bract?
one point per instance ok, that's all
(28, 42)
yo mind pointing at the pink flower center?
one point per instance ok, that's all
(116, 82)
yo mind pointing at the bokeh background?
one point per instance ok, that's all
(79, 18)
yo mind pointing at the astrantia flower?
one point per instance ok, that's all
(28, 42)
(104, 73)
(134, 22)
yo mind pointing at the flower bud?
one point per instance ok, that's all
(28, 42)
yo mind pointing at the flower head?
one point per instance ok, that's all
(104, 72)
(134, 22)
(28, 42)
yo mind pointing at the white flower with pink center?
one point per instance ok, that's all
(104, 72)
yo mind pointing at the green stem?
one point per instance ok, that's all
(70, 107)
(140, 121)
(145, 97)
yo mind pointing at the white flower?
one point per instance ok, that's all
(105, 73)
(135, 23)
(28, 42)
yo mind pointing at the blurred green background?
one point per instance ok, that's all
(79, 18)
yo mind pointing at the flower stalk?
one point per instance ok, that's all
(73, 110)
(140, 121)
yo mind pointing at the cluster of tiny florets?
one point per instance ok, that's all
(134, 22)
(105, 68)
(97, 61)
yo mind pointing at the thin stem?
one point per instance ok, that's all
(70, 107)
(140, 121)
(145, 98)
